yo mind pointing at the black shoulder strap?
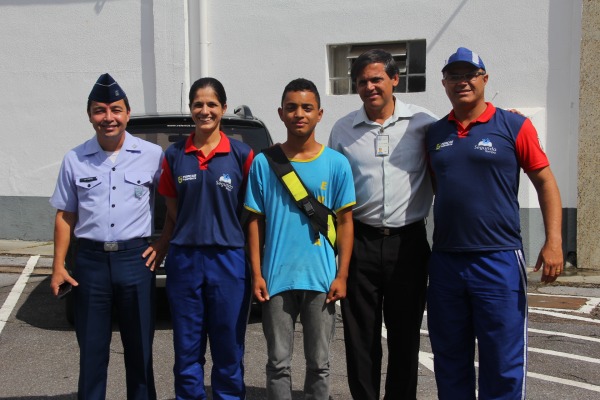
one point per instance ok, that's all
(322, 219)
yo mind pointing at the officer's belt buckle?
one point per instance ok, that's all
(111, 246)
(385, 231)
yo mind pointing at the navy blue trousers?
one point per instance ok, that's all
(209, 295)
(478, 295)
(114, 281)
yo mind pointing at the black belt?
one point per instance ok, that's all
(112, 246)
(362, 228)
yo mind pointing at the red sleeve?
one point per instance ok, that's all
(248, 163)
(166, 186)
(529, 151)
(246, 167)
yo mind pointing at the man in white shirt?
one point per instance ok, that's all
(384, 142)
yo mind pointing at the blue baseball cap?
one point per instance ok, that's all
(464, 55)
(106, 90)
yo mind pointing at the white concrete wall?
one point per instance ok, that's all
(53, 51)
(531, 50)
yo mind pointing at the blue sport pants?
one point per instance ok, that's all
(209, 294)
(478, 295)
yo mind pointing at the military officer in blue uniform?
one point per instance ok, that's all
(104, 198)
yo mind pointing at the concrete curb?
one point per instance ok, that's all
(23, 248)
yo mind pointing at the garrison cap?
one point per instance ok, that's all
(106, 90)
(465, 55)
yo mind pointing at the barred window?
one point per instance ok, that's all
(410, 56)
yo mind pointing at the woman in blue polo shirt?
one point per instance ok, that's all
(208, 281)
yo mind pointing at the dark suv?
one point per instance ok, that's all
(166, 129)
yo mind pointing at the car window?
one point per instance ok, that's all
(165, 131)
(165, 134)
(254, 136)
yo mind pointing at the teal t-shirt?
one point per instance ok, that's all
(293, 259)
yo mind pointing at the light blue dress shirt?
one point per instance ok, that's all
(113, 201)
(392, 190)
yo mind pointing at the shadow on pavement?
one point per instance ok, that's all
(70, 396)
(44, 311)
(257, 393)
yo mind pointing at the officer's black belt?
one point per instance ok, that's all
(365, 229)
(112, 246)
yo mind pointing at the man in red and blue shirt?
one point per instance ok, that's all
(477, 275)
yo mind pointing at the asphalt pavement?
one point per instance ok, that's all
(574, 281)
(12, 251)
(564, 319)
(14, 255)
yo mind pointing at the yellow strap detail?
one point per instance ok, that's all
(293, 183)
(331, 233)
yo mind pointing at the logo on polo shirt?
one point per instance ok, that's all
(444, 144)
(225, 182)
(184, 178)
(486, 145)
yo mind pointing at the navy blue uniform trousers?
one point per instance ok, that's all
(209, 294)
(479, 295)
(121, 281)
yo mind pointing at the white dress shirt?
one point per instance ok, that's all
(393, 190)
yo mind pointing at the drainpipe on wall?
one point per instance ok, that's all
(203, 10)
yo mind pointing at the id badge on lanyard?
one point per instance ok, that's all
(382, 144)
